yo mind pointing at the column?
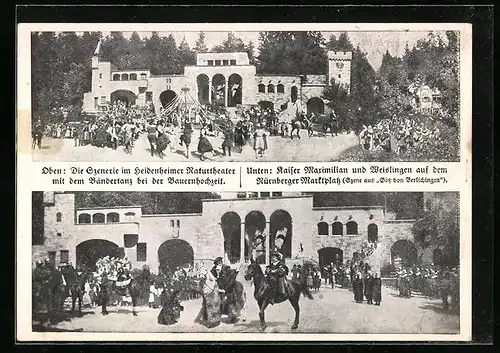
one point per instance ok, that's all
(223, 251)
(242, 243)
(268, 241)
(209, 90)
(226, 95)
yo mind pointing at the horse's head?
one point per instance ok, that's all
(252, 270)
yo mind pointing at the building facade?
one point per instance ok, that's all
(225, 227)
(226, 78)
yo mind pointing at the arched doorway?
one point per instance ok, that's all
(266, 105)
(88, 252)
(122, 95)
(235, 92)
(231, 229)
(174, 253)
(403, 253)
(372, 233)
(294, 94)
(202, 82)
(166, 97)
(315, 105)
(329, 255)
(255, 225)
(281, 227)
(219, 89)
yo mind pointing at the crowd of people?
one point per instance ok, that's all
(398, 135)
(122, 124)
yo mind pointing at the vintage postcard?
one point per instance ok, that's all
(213, 182)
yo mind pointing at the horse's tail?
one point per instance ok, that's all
(305, 291)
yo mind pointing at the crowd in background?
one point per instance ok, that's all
(398, 135)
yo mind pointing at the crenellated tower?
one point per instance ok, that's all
(339, 68)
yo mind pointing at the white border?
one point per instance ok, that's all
(26, 174)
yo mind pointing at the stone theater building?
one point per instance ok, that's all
(225, 227)
(226, 78)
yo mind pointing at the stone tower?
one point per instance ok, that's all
(339, 68)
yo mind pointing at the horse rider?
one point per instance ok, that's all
(276, 273)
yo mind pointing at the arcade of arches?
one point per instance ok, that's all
(242, 239)
(218, 90)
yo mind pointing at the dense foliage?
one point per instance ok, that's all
(151, 202)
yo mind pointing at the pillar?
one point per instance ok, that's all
(268, 241)
(242, 243)
(209, 90)
(226, 91)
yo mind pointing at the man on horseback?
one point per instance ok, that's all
(276, 273)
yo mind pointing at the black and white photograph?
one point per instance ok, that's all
(246, 262)
(348, 96)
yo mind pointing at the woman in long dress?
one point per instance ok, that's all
(186, 136)
(152, 136)
(204, 145)
(171, 308)
(260, 142)
(163, 139)
(210, 312)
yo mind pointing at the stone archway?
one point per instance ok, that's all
(219, 89)
(404, 253)
(266, 105)
(88, 252)
(281, 227)
(202, 82)
(328, 255)
(126, 96)
(255, 225)
(174, 253)
(235, 91)
(315, 105)
(166, 97)
(231, 229)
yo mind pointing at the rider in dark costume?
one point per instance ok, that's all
(276, 273)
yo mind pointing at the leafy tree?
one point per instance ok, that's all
(186, 55)
(230, 44)
(200, 46)
(440, 226)
(292, 53)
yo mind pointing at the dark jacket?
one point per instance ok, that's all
(277, 273)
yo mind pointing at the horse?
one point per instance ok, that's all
(75, 286)
(296, 126)
(263, 293)
(49, 287)
(109, 287)
(331, 125)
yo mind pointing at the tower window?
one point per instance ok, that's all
(233, 62)
(210, 63)
(58, 217)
